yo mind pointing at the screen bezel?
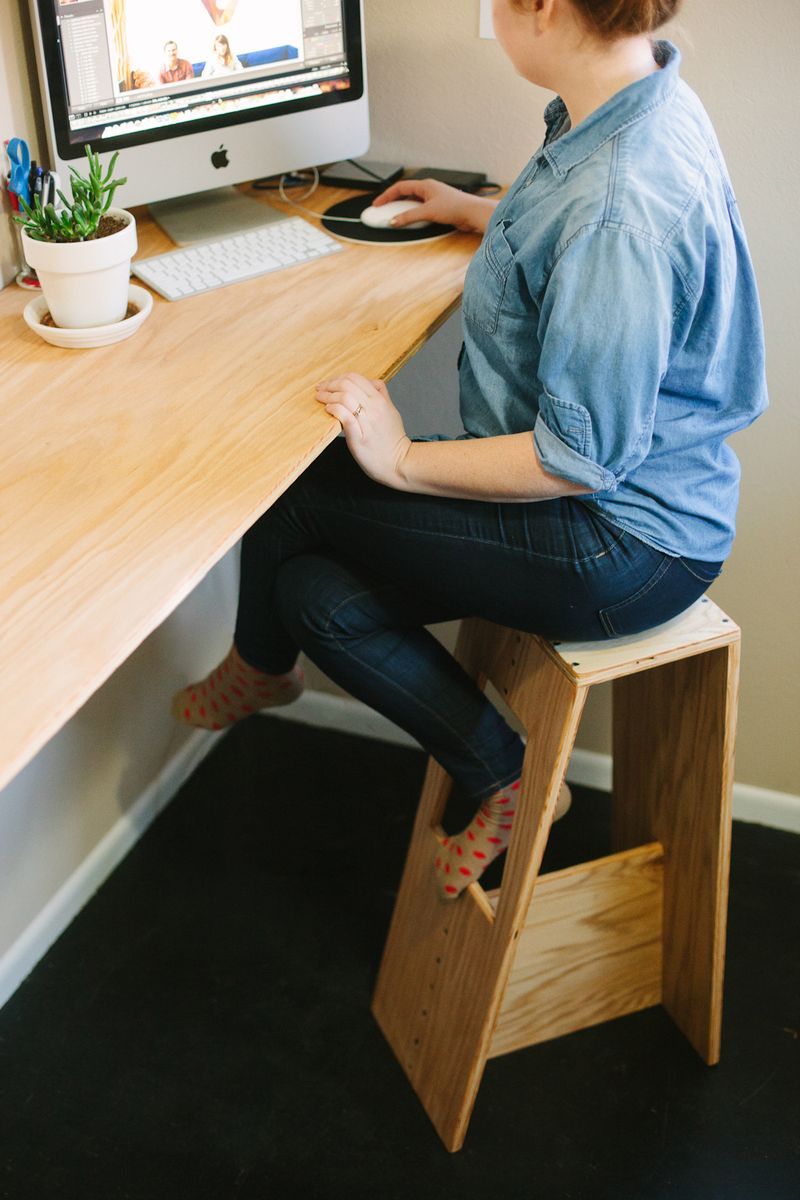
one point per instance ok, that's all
(68, 150)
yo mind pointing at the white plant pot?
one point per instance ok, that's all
(85, 283)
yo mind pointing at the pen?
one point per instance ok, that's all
(50, 185)
(36, 182)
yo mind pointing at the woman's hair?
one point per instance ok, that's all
(619, 18)
(220, 39)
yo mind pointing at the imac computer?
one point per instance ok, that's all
(201, 94)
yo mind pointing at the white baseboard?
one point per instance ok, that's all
(23, 955)
(348, 716)
(589, 769)
(780, 810)
(762, 806)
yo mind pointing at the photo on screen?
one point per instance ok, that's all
(167, 43)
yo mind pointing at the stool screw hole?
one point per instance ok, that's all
(576, 664)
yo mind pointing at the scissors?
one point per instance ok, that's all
(20, 158)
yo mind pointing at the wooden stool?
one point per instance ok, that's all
(492, 972)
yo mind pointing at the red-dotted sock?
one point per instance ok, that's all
(463, 858)
(232, 691)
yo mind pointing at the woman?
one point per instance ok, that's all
(223, 61)
(612, 341)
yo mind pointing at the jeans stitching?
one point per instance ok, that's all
(699, 578)
(458, 537)
(342, 647)
(608, 620)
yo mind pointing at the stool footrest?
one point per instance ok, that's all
(590, 949)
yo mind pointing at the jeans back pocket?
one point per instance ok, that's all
(668, 591)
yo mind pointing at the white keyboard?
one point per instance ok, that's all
(208, 265)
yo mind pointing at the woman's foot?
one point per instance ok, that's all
(462, 859)
(232, 691)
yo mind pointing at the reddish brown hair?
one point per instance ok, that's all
(619, 18)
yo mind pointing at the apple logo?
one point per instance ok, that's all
(220, 158)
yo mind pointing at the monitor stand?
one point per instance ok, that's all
(205, 216)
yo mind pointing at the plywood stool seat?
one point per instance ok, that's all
(492, 972)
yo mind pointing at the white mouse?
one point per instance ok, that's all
(382, 217)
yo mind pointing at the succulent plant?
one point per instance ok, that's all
(79, 219)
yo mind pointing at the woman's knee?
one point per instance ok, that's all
(320, 600)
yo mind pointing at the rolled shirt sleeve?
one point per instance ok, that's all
(605, 331)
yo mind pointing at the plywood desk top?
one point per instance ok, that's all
(126, 472)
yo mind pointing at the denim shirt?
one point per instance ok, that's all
(612, 310)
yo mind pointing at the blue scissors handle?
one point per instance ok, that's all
(20, 158)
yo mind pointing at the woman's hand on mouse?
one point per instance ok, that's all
(373, 427)
(441, 203)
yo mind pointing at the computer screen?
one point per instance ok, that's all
(201, 93)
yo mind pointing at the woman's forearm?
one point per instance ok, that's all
(505, 468)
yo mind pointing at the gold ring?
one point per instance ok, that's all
(358, 410)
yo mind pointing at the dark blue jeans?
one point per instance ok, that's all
(351, 572)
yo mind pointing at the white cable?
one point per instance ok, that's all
(311, 190)
(309, 211)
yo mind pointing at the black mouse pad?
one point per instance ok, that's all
(353, 231)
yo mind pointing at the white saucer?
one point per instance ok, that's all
(96, 335)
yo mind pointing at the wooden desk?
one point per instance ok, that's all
(127, 472)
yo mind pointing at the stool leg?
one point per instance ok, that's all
(445, 966)
(674, 731)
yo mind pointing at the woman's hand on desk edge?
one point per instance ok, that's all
(441, 203)
(373, 427)
(503, 468)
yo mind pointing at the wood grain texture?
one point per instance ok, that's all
(445, 966)
(436, 991)
(590, 950)
(694, 631)
(128, 471)
(674, 733)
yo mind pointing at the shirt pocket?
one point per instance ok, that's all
(487, 278)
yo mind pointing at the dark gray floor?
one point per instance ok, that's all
(202, 1030)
